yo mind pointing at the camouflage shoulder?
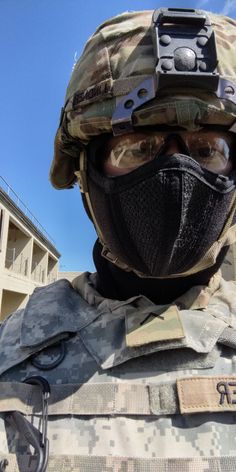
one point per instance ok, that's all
(52, 313)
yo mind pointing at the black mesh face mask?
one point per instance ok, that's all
(162, 218)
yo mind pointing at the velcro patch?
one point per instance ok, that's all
(93, 93)
(160, 324)
(207, 394)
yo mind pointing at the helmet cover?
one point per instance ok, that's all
(125, 56)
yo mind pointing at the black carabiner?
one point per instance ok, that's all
(43, 449)
(3, 464)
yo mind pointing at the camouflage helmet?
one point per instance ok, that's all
(116, 59)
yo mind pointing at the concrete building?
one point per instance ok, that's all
(68, 275)
(28, 257)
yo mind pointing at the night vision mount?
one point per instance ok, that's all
(186, 56)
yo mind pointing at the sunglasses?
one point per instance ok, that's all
(211, 149)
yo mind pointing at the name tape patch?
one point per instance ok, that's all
(207, 394)
(93, 93)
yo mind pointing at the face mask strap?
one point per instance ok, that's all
(82, 182)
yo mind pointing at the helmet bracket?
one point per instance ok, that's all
(186, 57)
(185, 49)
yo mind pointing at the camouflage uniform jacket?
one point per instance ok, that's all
(134, 386)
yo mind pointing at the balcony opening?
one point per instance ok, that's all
(17, 253)
(11, 301)
(38, 267)
(52, 270)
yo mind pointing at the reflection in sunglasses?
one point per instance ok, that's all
(212, 150)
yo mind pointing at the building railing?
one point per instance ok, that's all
(51, 278)
(38, 273)
(16, 199)
(19, 264)
(16, 262)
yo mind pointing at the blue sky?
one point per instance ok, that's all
(39, 39)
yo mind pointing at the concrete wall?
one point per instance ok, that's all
(39, 264)
(68, 275)
(12, 301)
(18, 252)
(26, 260)
(52, 269)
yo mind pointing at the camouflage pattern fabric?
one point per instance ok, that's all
(117, 464)
(124, 57)
(93, 331)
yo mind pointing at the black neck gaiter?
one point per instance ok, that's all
(117, 284)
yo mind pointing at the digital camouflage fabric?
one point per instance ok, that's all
(124, 57)
(118, 408)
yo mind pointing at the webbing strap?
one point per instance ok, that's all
(91, 399)
(228, 337)
(121, 464)
(187, 395)
(125, 85)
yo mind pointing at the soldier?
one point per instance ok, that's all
(133, 368)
